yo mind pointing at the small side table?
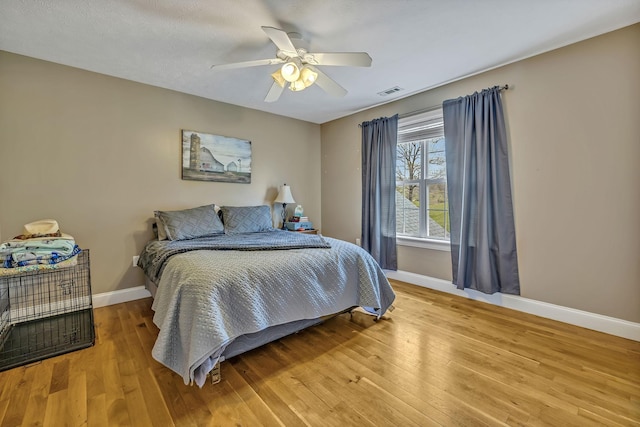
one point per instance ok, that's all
(313, 231)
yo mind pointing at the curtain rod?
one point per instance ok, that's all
(424, 110)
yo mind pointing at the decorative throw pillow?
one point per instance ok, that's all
(246, 219)
(190, 223)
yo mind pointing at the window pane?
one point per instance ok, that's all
(436, 164)
(408, 165)
(438, 212)
(421, 176)
(408, 209)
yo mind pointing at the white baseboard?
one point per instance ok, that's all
(122, 295)
(585, 319)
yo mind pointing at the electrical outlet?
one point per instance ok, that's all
(135, 260)
(358, 242)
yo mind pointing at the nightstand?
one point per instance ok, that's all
(314, 231)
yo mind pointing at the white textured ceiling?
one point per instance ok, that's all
(415, 44)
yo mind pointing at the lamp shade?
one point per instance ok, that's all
(284, 195)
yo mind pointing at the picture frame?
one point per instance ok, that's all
(210, 157)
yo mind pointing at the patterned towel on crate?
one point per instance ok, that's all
(26, 255)
(37, 267)
(62, 245)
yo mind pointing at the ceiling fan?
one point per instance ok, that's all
(299, 66)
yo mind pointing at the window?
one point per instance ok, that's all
(422, 208)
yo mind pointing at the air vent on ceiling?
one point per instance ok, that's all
(390, 91)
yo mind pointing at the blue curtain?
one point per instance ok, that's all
(379, 140)
(483, 239)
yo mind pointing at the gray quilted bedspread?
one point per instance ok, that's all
(155, 254)
(207, 298)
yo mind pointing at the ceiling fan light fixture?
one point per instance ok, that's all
(277, 76)
(297, 86)
(290, 71)
(297, 65)
(308, 76)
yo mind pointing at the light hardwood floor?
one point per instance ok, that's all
(436, 360)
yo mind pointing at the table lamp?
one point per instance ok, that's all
(284, 197)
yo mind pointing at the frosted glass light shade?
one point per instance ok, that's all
(277, 76)
(308, 76)
(290, 71)
(297, 86)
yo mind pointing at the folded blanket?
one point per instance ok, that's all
(31, 268)
(61, 245)
(22, 257)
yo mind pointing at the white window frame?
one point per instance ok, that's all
(427, 119)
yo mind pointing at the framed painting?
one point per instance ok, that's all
(208, 157)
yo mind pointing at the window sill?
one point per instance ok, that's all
(416, 242)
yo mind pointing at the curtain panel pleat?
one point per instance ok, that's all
(483, 241)
(379, 141)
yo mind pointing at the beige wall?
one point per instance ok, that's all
(99, 154)
(574, 126)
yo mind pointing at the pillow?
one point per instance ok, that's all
(246, 219)
(190, 223)
(160, 232)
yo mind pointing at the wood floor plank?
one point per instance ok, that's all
(18, 395)
(60, 376)
(77, 399)
(4, 405)
(117, 411)
(137, 409)
(39, 394)
(92, 363)
(247, 395)
(299, 398)
(170, 385)
(437, 359)
(56, 412)
(266, 393)
(154, 402)
(97, 411)
(305, 377)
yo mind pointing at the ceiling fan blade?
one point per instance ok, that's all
(274, 93)
(329, 85)
(281, 40)
(351, 59)
(255, 63)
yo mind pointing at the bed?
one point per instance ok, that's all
(220, 294)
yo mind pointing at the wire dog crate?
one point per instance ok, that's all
(45, 313)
